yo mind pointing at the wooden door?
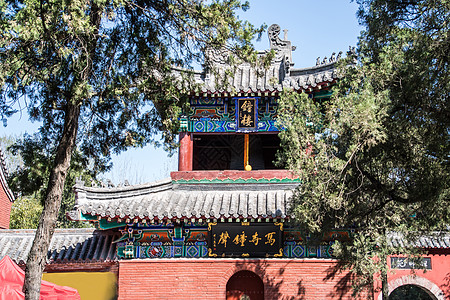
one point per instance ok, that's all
(245, 285)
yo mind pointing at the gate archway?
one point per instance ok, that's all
(245, 285)
(426, 285)
(411, 291)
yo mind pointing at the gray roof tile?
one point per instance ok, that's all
(67, 245)
(166, 200)
(430, 240)
(247, 78)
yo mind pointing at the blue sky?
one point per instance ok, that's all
(316, 28)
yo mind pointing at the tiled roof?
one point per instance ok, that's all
(246, 79)
(67, 245)
(278, 75)
(168, 200)
(431, 240)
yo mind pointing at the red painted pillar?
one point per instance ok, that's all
(186, 151)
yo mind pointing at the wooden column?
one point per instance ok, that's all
(247, 166)
(186, 151)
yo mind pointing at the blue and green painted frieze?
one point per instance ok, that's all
(218, 115)
(207, 240)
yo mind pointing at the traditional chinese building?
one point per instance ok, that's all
(6, 195)
(217, 228)
(217, 225)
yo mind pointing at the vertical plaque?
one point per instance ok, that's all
(246, 114)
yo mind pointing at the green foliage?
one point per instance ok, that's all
(29, 181)
(114, 59)
(25, 213)
(375, 157)
(99, 76)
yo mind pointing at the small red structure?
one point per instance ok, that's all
(6, 196)
(11, 283)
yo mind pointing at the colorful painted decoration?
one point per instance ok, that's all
(219, 115)
(221, 240)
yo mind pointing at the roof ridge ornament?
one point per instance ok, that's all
(333, 58)
(275, 41)
(284, 49)
(227, 75)
(278, 44)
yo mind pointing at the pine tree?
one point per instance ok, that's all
(375, 157)
(99, 76)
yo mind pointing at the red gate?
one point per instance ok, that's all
(245, 285)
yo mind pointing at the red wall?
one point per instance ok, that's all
(5, 209)
(436, 280)
(207, 278)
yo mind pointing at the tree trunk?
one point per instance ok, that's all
(384, 285)
(38, 254)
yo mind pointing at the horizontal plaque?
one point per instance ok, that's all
(406, 263)
(245, 239)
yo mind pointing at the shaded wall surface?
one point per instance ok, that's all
(90, 285)
(435, 280)
(207, 278)
(5, 208)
